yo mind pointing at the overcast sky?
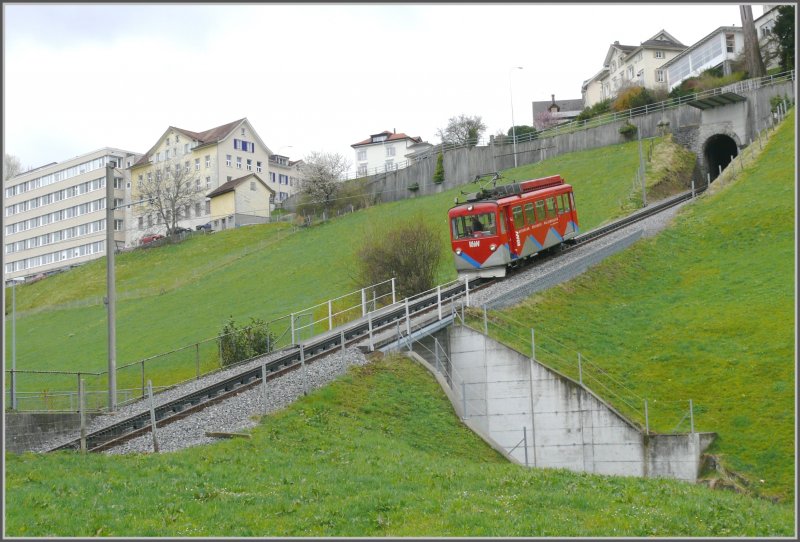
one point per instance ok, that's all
(314, 77)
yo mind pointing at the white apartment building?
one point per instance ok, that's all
(55, 215)
(764, 26)
(631, 65)
(212, 158)
(383, 152)
(719, 48)
(284, 176)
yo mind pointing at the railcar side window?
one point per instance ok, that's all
(530, 218)
(551, 207)
(518, 222)
(563, 206)
(540, 210)
(502, 221)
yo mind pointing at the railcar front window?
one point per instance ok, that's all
(564, 205)
(473, 226)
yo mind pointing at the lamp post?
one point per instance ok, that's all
(111, 290)
(513, 126)
(13, 344)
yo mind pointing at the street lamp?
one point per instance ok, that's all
(513, 127)
(14, 342)
(111, 296)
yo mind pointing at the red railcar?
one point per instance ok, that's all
(499, 226)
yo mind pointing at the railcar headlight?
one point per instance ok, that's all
(469, 207)
(492, 247)
(458, 251)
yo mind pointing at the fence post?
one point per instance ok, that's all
(436, 352)
(533, 345)
(197, 357)
(142, 378)
(343, 341)
(692, 188)
(303, 368)
(264, 384)
(720, 169)
(525, 443)
(330, 315)
(733, 165)
(152, 415)
(219, 349)
(646, 419)
(82, 407)
(466, 289)
(394, 295)
(291, 317)
(439, 300)
(408, 319)
(485, 322)
(708, 180)
(691, 415)
(363, 302)
(369, 322)
(580, 370)
(464, 400)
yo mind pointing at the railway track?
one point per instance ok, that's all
(294, 357)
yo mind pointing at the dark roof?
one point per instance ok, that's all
(212, 135)
(563, 105)
(233, 183)
(391, 137)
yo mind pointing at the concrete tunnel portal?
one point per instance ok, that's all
(718, 151)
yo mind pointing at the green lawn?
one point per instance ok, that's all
(704, 311)
(377, 453)
(172, 296)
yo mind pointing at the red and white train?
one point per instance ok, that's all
(500, 226)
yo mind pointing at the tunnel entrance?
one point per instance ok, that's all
(718, 152)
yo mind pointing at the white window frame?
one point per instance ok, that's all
(658, 54)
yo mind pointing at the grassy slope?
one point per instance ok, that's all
(175, 295)
(704, 311)
(377, 453)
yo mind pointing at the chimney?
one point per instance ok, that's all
(394, 130)
(616, 42)
(553, 96)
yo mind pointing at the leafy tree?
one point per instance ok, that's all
(410, 252)
(438, 174)
(169, 189)
(240, 344)
(522, 130)
(600, 108)
(322, 175)
(462, 130)
(783, 30)
(12, 166)
(631, 98)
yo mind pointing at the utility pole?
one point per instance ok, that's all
(111, 289)
(642, 168)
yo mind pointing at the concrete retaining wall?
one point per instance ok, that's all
(500, 391)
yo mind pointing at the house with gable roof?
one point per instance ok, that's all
(210, 158)
(718, 49)
(631, 65)
(240, 202)
(383, 151)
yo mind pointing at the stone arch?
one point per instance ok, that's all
(717, 152)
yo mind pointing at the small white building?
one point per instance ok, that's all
(768, 46)
(719, 48)
(383, 152)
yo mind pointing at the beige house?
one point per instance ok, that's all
(55, 215)
(284, 176)
(631, 65)
(212, 158)
(241, 201)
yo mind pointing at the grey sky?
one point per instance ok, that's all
(313, 77)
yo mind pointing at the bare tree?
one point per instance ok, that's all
(462, 130)
(12, 166)
(170, 189)
(752, 51)
(322, 174)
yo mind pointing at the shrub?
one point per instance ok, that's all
(438, 174)
(600, 108)
(409, 252)
(631, 98)
(240, 344)
(413, 187)
(628, 130)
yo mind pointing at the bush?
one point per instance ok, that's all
(413, 187)
(628, 130)
(631, 98)
(410, 252)
(240, 344)
(438, 174)
(600, 108)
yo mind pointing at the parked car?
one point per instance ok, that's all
(180, 229)
(150, 238)
(206, 227)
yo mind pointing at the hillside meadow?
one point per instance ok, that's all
(703, 311)
(379, 452)
(175, 295)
